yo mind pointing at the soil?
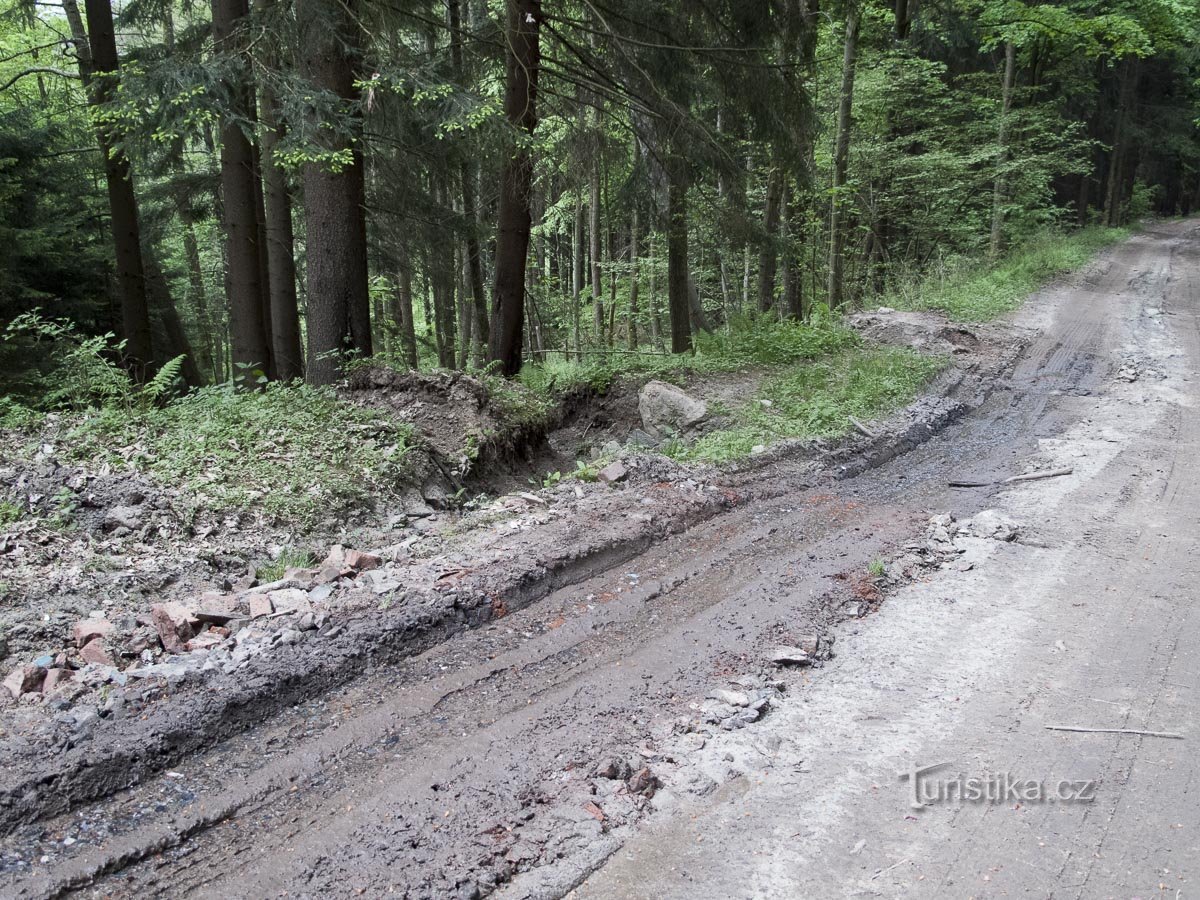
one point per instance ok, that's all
(521, 689)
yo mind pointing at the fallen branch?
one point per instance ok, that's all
(1037, 476)
(892, 866)
(1028, 476)
(1159, 734)
(861, 427)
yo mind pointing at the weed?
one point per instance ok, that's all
(9, 513)
(818, 399)
(876, 568)
(289, 558)
(977, 292)
(291, 450)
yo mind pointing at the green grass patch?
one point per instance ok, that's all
(817, 399)
(978, 292)
(748, 343)
(10, 513)
(295, 452)
(289, 558)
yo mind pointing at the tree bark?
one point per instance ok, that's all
(768, 255)
(470, 205)
(512, 234)
(841, 156)
(339, 311)
(243, 269)
(1000, 188)
(1112, 196)
(577, 277)
(594, 249)
(402, 310)
(633, 278)
(199, 295)
(98, 70)
(678, 299)
(281, 261)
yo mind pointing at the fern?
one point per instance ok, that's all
(163, 384)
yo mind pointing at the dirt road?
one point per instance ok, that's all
(481, 765)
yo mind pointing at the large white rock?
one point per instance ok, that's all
(666, 409)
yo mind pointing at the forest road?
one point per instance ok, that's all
(1090, 620)
(473, 768)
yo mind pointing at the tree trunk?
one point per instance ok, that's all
(841, 156)
(281, 261)
(767, 257)
(678, 300)
(633, 279)
(177, 341)
(1112, 197)
(1000, 188)
(339, 312)
(577, 277)
(470, 206)
(243, 270)
(594, 248)
(512, 233)
(206, 358)
(98, 70)
(402, 311)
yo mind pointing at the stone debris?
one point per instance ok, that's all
(791, 656)
(643, 782)
(89, 629)
(25, 680)
(261, 605)
(612, 473)
(218, 609)
(96, 652)
(175, 624)
(615, 769)
(730, 698)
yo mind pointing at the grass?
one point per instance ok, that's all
(10, 513)
(289, 558)
(295, 452)
(980, 292)
(817, 400)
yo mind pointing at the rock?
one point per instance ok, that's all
(25, 680)
(217, 609)
(291, 600)
(206, 641)
(666, 409)
(732, 698)
(612, 473)
(993, 524)
(175, 624)
(260, 605)
(55, 678)
(97, 652)
(790, 656)
(643, 782)
(615, 769)
(741, 719)
(290, 636)
(639, 438)
(809, 643)
(308, 622)
(362, 562)
(130, 517)
(87, 630)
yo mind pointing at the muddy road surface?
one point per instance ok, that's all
(632, 735)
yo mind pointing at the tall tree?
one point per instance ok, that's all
(523, 61)
(339, 310)
(98, 68)
(239, 189)
(841, 157)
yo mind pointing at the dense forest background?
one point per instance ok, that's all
(261, 191)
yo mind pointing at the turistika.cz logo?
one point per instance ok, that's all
(992, 787)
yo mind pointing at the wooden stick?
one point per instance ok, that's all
(1160, 734)
(892, 866)
(1028, 476)
(1035, 476)
(861, 427)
